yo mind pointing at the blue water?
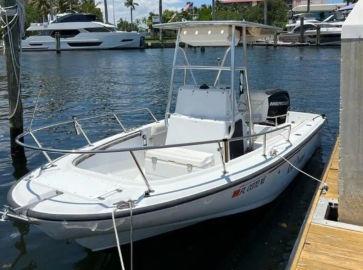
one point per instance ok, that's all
(85, 83)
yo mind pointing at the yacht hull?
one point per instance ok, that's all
(85, 41)
(248, 194)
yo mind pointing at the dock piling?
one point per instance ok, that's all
(12, 43)
(302, 32)
(57, 42)
(318, 28)
(351, 121)
(275, 39)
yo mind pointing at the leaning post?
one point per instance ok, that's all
(12, 43)
(351, 121)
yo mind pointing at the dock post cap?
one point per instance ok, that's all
(353, 25)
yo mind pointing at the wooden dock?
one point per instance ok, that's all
(327, 244)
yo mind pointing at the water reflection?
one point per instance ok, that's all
(20, 245)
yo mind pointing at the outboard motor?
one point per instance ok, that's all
(278, 105)
(270, 107)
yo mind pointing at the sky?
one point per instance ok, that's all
(146, 6)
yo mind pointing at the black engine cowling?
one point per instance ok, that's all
(278, 105)
(270, 107)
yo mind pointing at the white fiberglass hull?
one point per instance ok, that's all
(85, 41)
(258, 191)
(236, 196)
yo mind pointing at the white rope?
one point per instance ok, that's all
(8, 25)
(296, 168)
(131, 237)
(35, 108)
(117, 239)
(130, 203)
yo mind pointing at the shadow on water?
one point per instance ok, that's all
(19, 163)
(20, 245)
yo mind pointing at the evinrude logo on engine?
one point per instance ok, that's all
(279, 103)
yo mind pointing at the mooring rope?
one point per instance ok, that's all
(296, 168)
(324, 186)
(131, 236)
(117, 239)
(8, 25)
(131, 205)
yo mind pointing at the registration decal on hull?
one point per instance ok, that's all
(248, 187)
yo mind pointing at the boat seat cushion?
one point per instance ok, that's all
(183, 129)
(182, 156)
(171, 162)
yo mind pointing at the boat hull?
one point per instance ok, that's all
(85, 41)
(310, 38)
(252, 193)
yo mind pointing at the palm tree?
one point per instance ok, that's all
(213, 9)
(265, 11)
(131, 4)
(61, 6)
(160, 19)
(43, 7)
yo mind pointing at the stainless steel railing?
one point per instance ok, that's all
(140, 148)
(131, 150)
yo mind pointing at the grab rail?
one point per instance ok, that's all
(140, 148)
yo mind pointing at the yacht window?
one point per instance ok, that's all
(66, 33)
(98, 29)
(39, 33)
(76, 18)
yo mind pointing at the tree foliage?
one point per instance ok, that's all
(38, 10)
(124, 25)
(131, 5)
(276, 15)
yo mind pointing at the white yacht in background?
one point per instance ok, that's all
(330, 25)
(79, 31)
(330, 33)
(220, 150)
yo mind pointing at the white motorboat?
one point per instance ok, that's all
(330, 27)
(78, 31)
(330, 33)
(220, 150)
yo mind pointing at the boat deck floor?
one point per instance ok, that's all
(323, 245)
